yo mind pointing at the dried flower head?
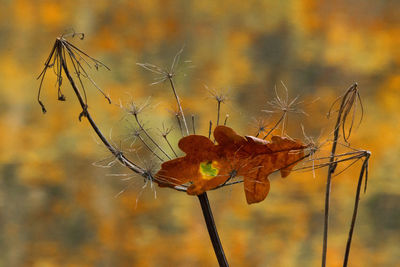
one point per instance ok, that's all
(164, 74)
(63, 52)
(261, 125)
(284, 106)
(349, 105)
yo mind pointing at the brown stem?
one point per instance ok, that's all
(179, 123)
(118, 154)
(364, 169)
(212, 230)
(218, 111)
(149, 148)
(150, 138)
(179, 105)
(194, 128)
(209, 130)
(226, 119)
(170, 146)
(331, 170)
(276, 125)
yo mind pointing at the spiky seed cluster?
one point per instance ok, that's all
(62, 53)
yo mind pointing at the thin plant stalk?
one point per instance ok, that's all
(149, 148)
(119, 155)
(212, 230)
(218, 111)
(150, 138)
(331, 170)
(193, 125)
(179, 123)
(363, 173)
(226, 119)
(179, 104)
(276, 125)
(344, 105)
(170, 146)
(209, 130)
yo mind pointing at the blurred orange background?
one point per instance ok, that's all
(57, 209)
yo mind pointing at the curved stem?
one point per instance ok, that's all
(119, 155)
(364, 169)
(212, 230)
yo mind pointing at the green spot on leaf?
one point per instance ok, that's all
(208, 170)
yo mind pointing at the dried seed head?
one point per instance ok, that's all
(163, 74)
(261, 125)
(348, 108)
(134, 108)
(64, 55)
(219, 95)
(165, 130)
(283, 104)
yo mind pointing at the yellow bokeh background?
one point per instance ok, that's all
(58, 209)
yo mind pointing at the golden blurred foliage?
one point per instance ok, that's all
(58, 209)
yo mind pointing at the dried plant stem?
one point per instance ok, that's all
(226, 119)
(276, 125)
(364, 170)
(212, 230)
(179, 104)
(170, 146)
(209, 130)
(118, 154)
(331, 170)
(193, 126)
(149, 148)
(218, 111)
(179, 124)
(150, 138)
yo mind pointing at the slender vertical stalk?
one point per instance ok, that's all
(209, 130)
(218, 111)
(194, 128)
(364, 169)
(179, 105)
(179, 124)
(331, 170)
(226, 119)
(212, 230)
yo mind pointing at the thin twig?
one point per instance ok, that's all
(364, 169)
(179, 123)
(218, 111)
(171, 81)
(226, 119)
(209, 130)
(150, 138)
(331, 170)
(170, 146)
(276, 125)
(193, 125)
(149, 148)
(125, 161)
(212, 230)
